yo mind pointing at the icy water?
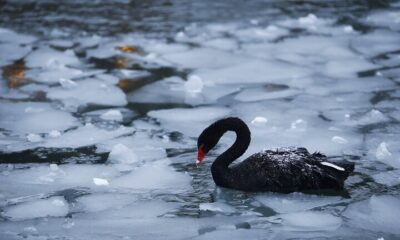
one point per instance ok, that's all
(101, 104)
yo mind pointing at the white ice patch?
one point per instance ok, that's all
(51, 207)
(121, 154)
(216, 207)
(199, 114)
(259, 121)
(261, 72)
(295, 202)
(157, 175)
(332, 166)
(194, 84)
(204, 58)
(10, 36)
(112, 115)
(379, 213)
(54, 133)
(54, 74)
(105, 201)
(9, 52)
(33, 117)
(85, 136)
(258, 94)
(382, 152)
(389, 178)
(310, 221)
(101, 182)
(90, 91)
(339, 140)
(46, 57)
(376, 42)
(67, 83)
(31, 137)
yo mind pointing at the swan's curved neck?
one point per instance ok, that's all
(240, 145)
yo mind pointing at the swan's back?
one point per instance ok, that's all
(287, 170)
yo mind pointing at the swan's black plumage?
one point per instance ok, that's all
(282, 170)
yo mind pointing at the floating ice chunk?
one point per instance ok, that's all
(85, 136)
(259, 121)
(32, 117)
(347, 67)
(379, 213)
(269, 33)
(257, 94)
(389, 178)
(8, 35)
(204, 58)
(157, 175)
(34, 137)
(194, 84)
(112, 115)
(339, 140)
(122, 154)
(101, 182)
(133, 73)
(222, 43)
(299, 124)
(295, 202)
(216, 207)
(51, 207)
(385, 19)
(67, 83)
(332, 166)
(54, 133)
(310, 221)
(109, 79)
(53, 74)
(261, 72)
(103, 51)
(181, 35)
(90, 91)
(101, 202)
(9, 52)
(54, 167)
(348, 29)
(189, 114)
(376, 42)
(373, 116)
(382, 152)
(90, 41)
(47, 57)
(310, 19)
(62, 43)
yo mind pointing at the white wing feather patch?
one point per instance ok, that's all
(333, 166)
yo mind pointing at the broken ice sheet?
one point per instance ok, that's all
(184, 118)
(90, 91)
(33, 117)
(51, 207)
(378, 213)
(46, 57)
(295, 202)
(176, 90)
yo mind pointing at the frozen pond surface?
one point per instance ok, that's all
(101, 104)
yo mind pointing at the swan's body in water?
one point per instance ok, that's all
(282, 170)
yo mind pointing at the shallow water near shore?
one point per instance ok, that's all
(101, 104)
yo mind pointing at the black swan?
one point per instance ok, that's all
(283, 170)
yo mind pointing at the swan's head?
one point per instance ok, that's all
(207, 141)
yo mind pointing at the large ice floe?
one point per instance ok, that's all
(98, 131)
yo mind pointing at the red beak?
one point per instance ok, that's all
(200, 155)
